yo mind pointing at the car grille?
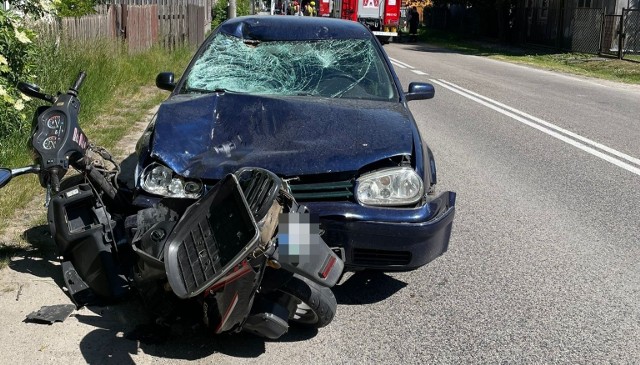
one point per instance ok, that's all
(369, 257)
(338, 190)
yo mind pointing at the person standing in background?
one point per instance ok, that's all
(296, 9)
(414, 21)
(310, 9)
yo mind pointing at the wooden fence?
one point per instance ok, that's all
(140, 23)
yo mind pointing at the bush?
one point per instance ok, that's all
(17, 55)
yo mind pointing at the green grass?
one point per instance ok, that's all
(626, 70)
(112, 88)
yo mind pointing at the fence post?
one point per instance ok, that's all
(602, 30)
(620, 35)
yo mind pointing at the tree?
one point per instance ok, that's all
(221, 11)
(75, 8)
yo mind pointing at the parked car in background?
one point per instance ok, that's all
(316, 101)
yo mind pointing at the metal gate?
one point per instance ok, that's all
(621, 33)
(587, 30)
(631, 31)
(610, 39)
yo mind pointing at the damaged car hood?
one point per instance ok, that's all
(208, 136)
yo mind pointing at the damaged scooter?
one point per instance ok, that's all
(241, 251)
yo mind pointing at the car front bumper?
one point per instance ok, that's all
(389, 239)
(380, 238)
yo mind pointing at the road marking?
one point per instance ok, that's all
(397, 64)
(546, 127)
(394, 61)
(549, 125)
(419, 72)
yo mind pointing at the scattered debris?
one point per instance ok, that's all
(50, 314)
(19, 292)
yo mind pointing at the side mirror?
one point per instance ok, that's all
(165, 81)
(420, 91)
(5, 176)
(33, 91)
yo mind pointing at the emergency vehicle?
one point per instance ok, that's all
(381, 16)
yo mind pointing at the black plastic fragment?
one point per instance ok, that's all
(51, 313)
(79, 291)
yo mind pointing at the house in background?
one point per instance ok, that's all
(588, 26)
(578, 25)
(616, 6)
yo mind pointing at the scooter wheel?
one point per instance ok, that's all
(310, 304)
(71, 181)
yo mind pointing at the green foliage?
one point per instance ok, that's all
(17, 55)
(34, 9)
(75, 8)
(111, 70)
(243, 7)
(111, 98)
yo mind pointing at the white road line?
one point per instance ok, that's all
(401, 63)
(419, 72)
(397, 64)
(549, 125)
(521, 119)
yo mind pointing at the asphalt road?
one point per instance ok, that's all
(543, 263)
(543, 260)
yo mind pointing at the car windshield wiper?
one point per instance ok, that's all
(203, 91)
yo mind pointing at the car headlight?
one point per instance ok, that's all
(390, 187)
(161, 180)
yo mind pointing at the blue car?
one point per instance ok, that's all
(316, 101)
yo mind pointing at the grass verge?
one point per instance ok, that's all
(116, 93)
(627, 70)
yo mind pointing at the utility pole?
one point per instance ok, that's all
(231, 9)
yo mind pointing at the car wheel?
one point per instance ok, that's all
(310, 304)
(384, 40)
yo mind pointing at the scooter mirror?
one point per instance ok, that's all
(5, 176)
(34, 91)
(29, 89)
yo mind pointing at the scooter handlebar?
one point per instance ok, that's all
(79, 81)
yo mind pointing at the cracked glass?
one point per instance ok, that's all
(334, 68)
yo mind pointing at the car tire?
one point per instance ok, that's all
(384, 40)
(313, 305)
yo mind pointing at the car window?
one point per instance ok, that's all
(335, 68)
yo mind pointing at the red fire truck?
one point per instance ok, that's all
(381, 16)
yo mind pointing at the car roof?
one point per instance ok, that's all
(288, 28)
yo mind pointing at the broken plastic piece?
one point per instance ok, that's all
(51, 313)
(79, 291)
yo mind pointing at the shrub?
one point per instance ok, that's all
(16, 64)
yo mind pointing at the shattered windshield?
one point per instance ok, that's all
(334, 68)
